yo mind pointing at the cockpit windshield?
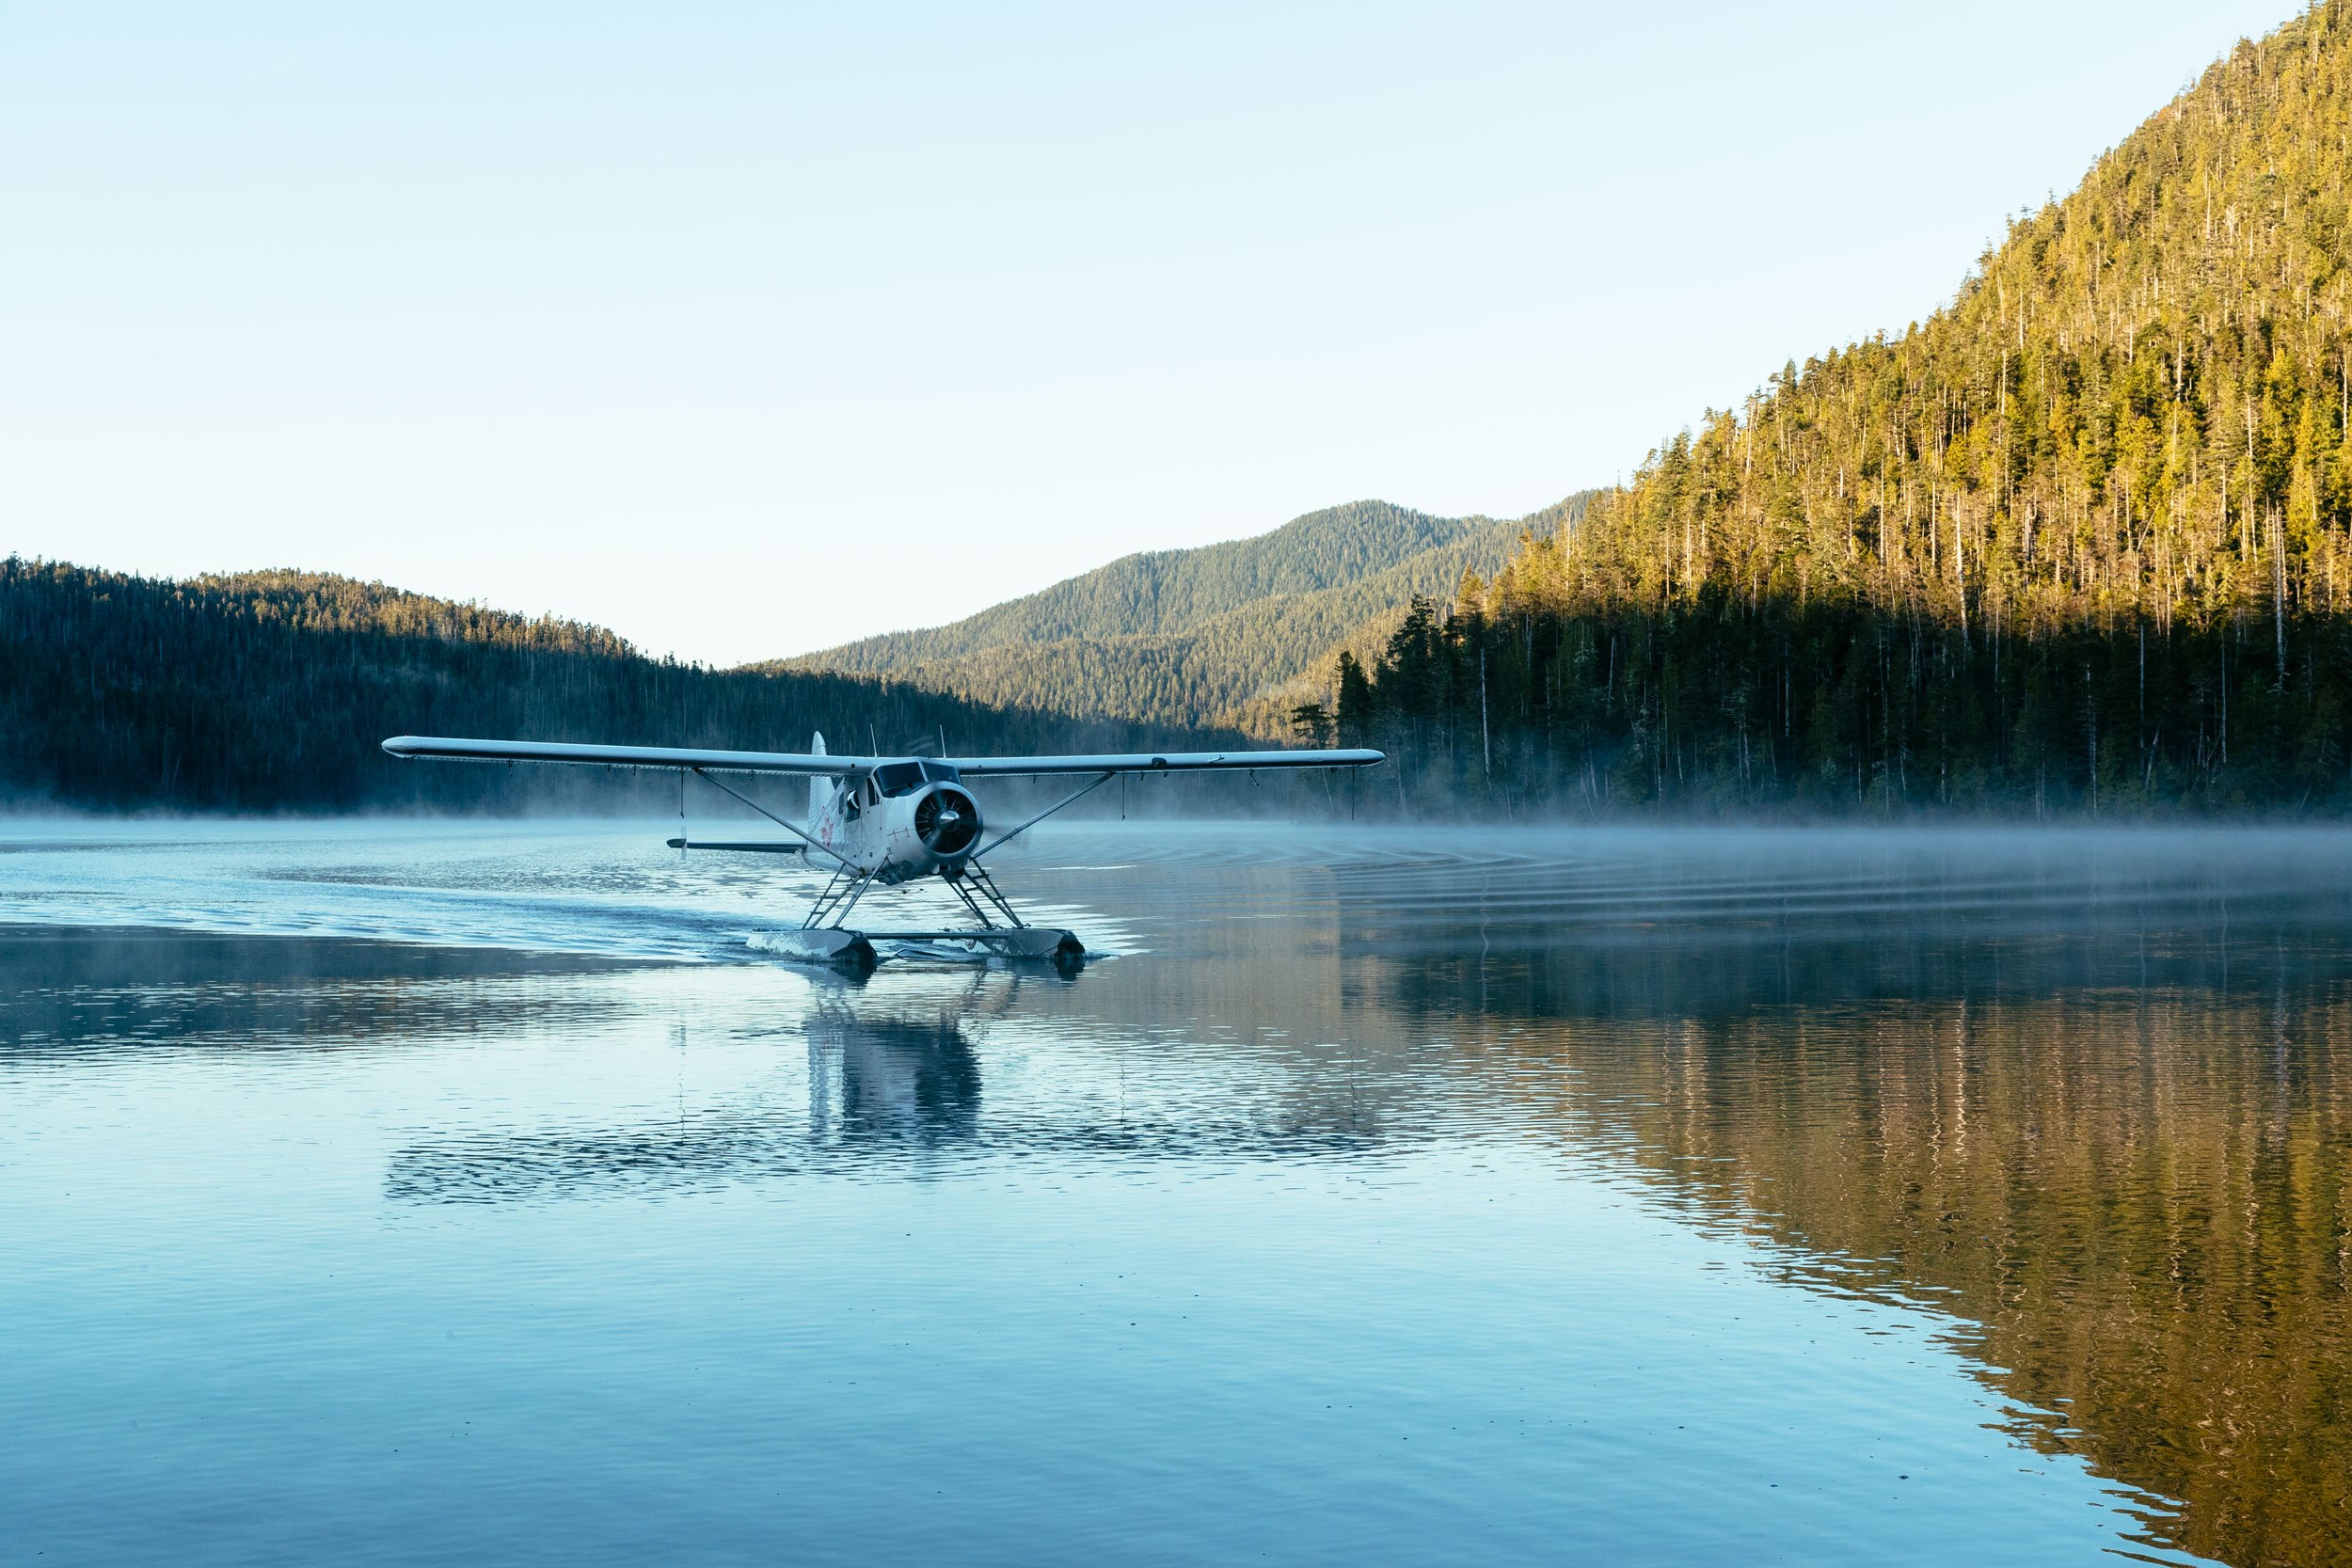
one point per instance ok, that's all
(942, 772)
(898, 777)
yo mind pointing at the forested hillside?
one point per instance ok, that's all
(1231, 634)
(2080, 538)
(271, 691)
(1166, 591)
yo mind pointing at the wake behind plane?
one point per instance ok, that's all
(886, 821)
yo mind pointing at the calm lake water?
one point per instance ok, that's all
(395, 1193)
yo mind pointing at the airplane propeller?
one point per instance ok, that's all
(948, 821)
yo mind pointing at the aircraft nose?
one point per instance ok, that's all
(948, 821)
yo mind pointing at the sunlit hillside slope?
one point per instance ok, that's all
(2081, 536)
(1226, 634)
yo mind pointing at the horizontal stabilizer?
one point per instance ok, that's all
(770, 848)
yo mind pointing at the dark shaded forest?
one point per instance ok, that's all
(2083, 540)
(271, 691)
(1721, 707)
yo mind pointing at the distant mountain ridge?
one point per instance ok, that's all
(1223, 634)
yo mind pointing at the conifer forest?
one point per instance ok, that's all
(272, 691)
(2081, 540)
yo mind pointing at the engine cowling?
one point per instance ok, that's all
(947, 820)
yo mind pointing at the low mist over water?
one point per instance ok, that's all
(482, 1192)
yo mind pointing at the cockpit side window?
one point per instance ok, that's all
(897, 777)
(849, 802)
(942, 772)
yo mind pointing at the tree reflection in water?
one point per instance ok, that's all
(2120, 1159)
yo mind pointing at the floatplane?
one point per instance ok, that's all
(886, 821)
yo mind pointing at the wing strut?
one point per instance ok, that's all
(1100, 780)
(772, 816)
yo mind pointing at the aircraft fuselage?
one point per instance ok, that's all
(898, 821)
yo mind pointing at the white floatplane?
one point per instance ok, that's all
(885, 821)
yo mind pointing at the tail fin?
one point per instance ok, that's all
(817, 781)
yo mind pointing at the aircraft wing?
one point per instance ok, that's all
(796, 762)
(622, 756)
(1162, 762)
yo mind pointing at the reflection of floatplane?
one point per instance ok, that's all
(886, 821)
(881, 1083)
(912, 1079)
(894, 1075)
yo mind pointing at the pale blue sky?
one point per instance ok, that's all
(746, 329)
